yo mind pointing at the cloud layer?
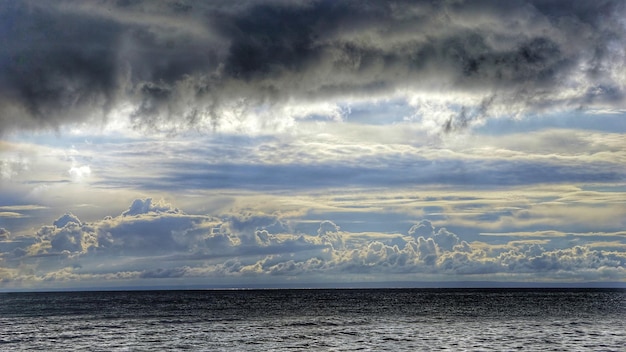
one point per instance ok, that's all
(155, 241)
(311, 141)
(250, 66)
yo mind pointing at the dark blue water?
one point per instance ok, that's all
(324, 320)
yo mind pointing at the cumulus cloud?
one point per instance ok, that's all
(445, 239)
(247, 223)
(329, 233)
(4, 234)
(66, 219)
(72, 238)
(158, 241)
(144, 206)
(241, 67)
(422, 229)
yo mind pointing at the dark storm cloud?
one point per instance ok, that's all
(185, 64)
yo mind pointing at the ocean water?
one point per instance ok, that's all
(319, 320)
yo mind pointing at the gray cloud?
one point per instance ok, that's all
(144, 206)
(70, 238)
(446, 240)
(4, 234)
(372, 171)
(66, 219)
(329, 233)
(178, 65)
(201, 246)
(422, 229)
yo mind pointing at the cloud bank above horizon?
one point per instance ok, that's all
(155, 241)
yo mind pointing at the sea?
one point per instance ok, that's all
(316, 320)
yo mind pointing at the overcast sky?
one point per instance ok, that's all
(300, 143)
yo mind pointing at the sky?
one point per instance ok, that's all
(277, 143)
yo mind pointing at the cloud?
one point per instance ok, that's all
(66, 219)
(11, 167)
(445, 239)
(422, 229)
(329, 233)
(144, 206)
(10, 214)
(22, 207)
(162, 273)
(248, 223)
(240, 247)
(374, 172)
(4, 234)
(78, 173)
(246, 67)
(72, 238)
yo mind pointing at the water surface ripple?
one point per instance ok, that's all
(323, 320)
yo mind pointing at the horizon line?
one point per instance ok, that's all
(335, 286)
